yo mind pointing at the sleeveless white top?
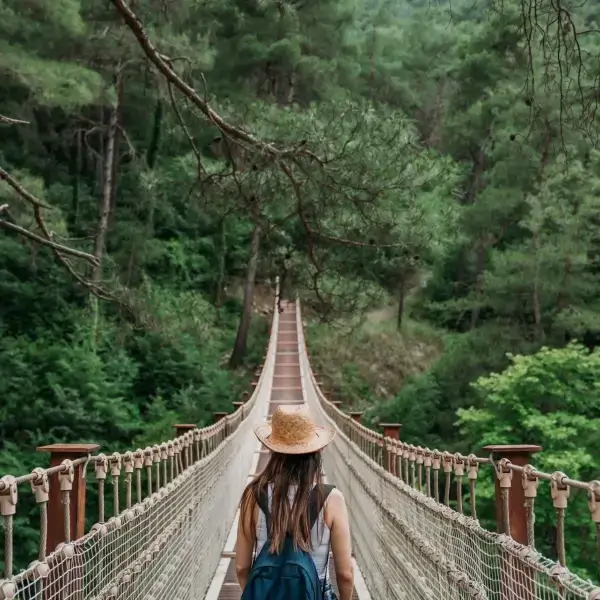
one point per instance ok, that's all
(320, 535)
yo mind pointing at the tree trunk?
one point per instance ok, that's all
(75, 181)
(537, 311)
(107, 185)
(479, 282)
(152, 151)
(401, 298)
(116, 157)
(151, 157)
(104, 212)
(222, 255)
(241, 339)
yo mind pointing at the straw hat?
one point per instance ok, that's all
(292, 431)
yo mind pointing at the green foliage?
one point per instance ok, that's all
(547, 398)
(448, 169)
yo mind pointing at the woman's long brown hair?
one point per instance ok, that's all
(284, 471)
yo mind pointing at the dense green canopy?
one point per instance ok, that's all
(159, 169)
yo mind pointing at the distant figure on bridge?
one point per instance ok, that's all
(289, 518)
(285, 291)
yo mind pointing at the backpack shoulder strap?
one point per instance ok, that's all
(263, 503)
(313, 507)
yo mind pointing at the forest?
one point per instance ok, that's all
(424, 176)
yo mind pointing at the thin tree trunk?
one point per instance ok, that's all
(241, 339)
(104, 211)
(537, 311)
(76, 176)
(291, 88)
(151, 157)
(401, 298)
(479, 282)
(222, 254)
(116, 157)
(107, 185)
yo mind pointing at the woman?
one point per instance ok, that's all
(290, 480)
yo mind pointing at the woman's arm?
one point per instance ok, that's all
(246, 539)
(337, 520)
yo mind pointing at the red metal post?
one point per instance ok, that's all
(183, 428)
(356, 415)
(517, 580)
(56, 529)
(390, 430)
(219, 416)
(518, 455)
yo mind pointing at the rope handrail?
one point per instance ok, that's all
(393, 493)
(408, 459)
(194, 460)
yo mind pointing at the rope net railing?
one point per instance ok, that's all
(410, 544)
(172, 507)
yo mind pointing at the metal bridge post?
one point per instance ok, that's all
(356, 415)
(517, 580)
(66, 496)
(237, 405)
(219, 416)
(57, 532)
(392, 431)
(182, 428)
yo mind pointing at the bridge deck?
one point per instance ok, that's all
(287, 389)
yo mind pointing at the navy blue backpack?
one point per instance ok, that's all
(291, 575)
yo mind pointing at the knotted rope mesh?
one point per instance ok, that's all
(411, 547)
(168, 545)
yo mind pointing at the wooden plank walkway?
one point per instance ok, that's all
(287, 389)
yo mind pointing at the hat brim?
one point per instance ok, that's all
(321, 438)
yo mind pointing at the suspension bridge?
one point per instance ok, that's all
(167, 514)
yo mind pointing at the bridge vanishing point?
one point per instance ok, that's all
(166, 530)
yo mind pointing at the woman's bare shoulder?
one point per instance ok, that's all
(336, 497)
(335, 504)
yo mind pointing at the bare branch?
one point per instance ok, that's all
(185, 129)
(9, 121)
(46, 242)
(15, 185)
(137, 28)
(93, 288)
(37, 206)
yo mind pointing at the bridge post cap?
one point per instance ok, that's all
(69, 448)
(390, 425)
(355, 412)
(238, 403)
(509, 449)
